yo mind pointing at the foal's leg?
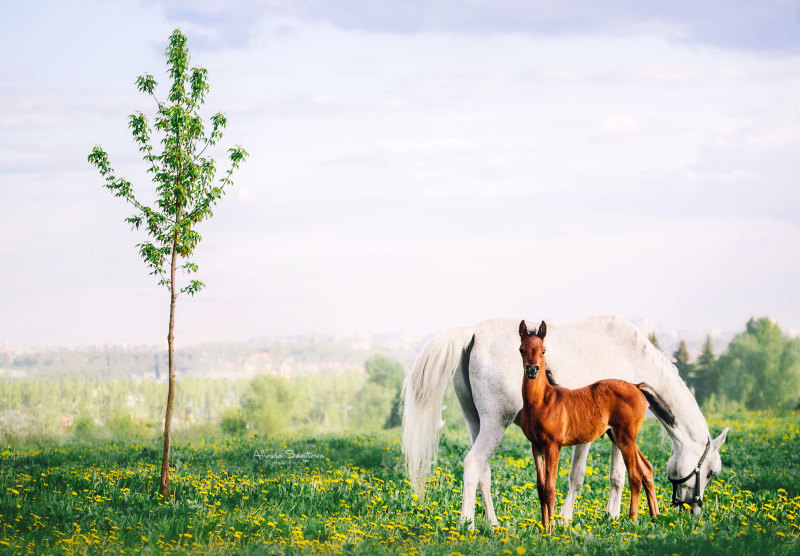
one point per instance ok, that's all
(646, 468)
(551, 457)
(541, 478)
(577, 472)
(626, 440)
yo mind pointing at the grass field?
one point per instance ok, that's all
(348, 494)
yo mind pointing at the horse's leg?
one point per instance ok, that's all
(472, 419)
(577, 472)
(626, 441)
(616, 479)
(646, 469)
(551, 458)
(485, 484)
(485, 481)
(475, 465)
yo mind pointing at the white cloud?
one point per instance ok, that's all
(651, 177)
(729, 176)
(620, 123)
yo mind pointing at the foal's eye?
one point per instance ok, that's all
(544, 351)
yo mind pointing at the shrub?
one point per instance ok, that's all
(233, 423)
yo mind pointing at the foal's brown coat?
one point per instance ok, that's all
(553, 417)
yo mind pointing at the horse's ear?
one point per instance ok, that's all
(542, 330)
(717, 442)
(523, 329)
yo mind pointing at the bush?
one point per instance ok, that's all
(721, 406)
(83, 428)
(233, 423)
(122, 426)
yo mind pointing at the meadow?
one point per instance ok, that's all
(348, 494)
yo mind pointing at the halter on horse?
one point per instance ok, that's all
(696, 498)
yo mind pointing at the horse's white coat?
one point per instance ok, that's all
(488, 382)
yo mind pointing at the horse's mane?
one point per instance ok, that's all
(639, 353)
(629, 334)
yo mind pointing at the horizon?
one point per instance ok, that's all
(411, 169)
(668, 338)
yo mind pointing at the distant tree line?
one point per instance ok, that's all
(760, 369)
(266, 404)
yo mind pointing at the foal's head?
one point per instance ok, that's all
(532, 349)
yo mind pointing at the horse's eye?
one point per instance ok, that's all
(543, 351)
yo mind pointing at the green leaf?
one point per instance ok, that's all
(146, 83)
(185, 192)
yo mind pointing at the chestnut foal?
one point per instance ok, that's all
(553, 417)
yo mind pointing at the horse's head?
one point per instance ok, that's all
(689, 472)
(532, 349)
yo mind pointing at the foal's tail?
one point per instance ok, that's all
(423, 391)
(657, 404)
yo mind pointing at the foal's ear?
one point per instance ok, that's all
(523, 329)
(542, 330)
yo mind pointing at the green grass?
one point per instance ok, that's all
(349, 495)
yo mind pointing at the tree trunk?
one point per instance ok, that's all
(171, 391)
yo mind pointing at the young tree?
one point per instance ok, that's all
(185, 188)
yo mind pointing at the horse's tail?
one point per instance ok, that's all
(423, 391)
(657, 404)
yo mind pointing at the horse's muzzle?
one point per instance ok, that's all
(531, 371)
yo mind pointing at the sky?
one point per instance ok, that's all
(413, 165)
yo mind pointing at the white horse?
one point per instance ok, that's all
(485, 366)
